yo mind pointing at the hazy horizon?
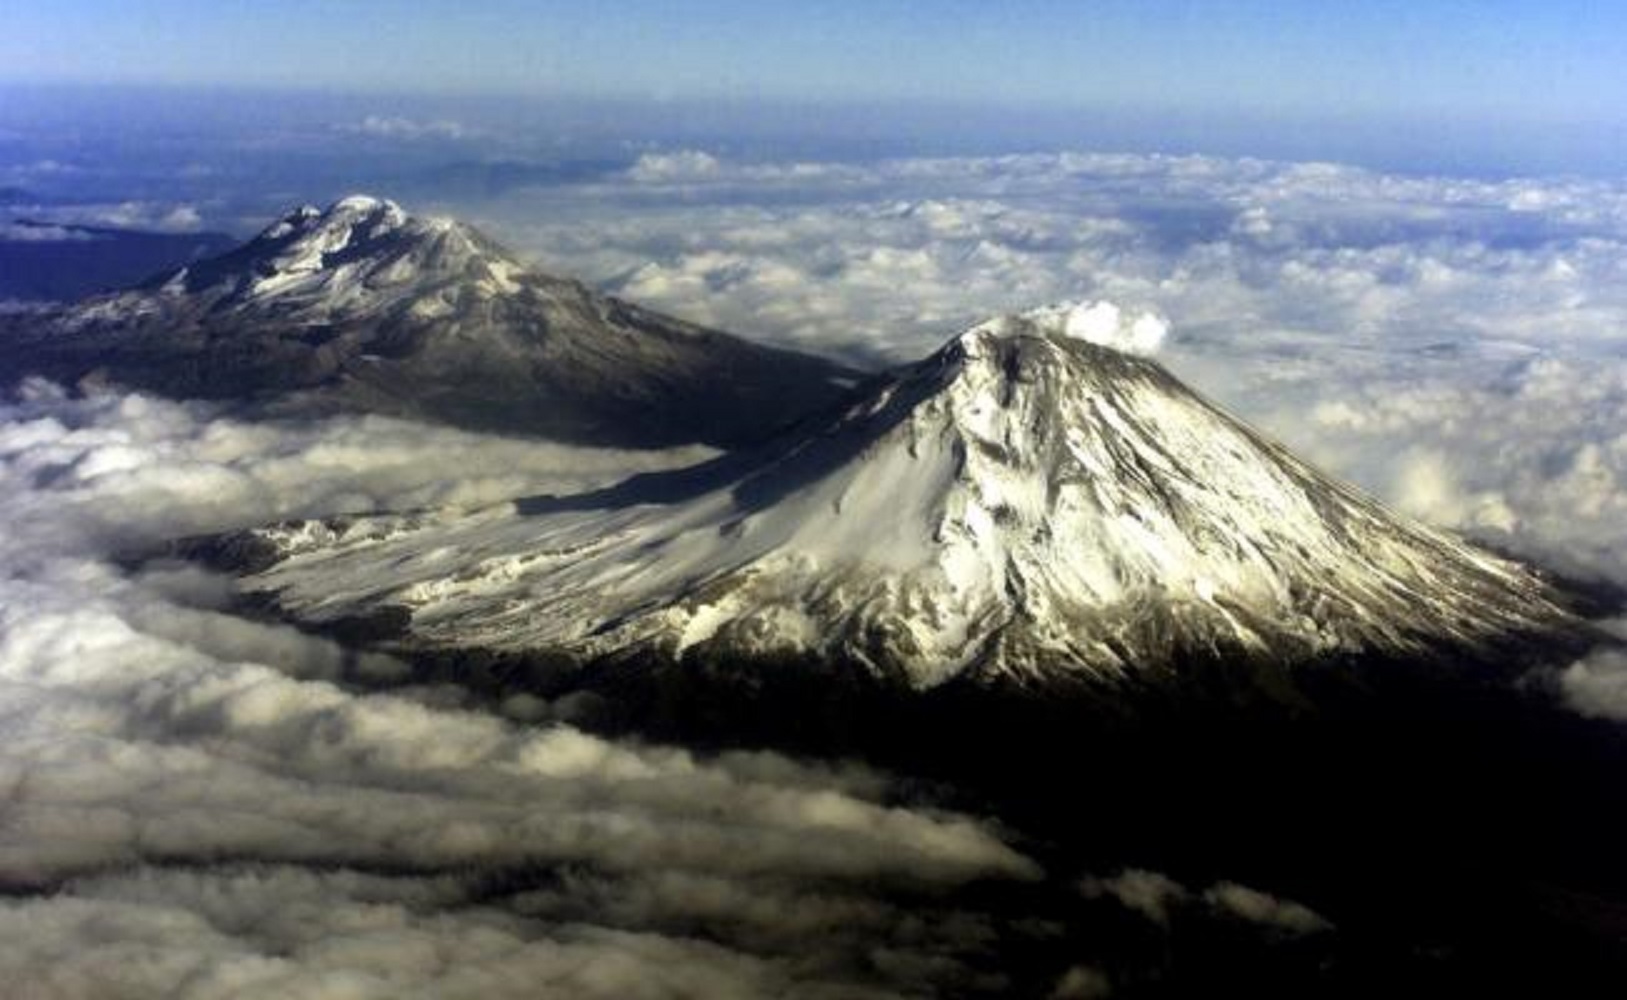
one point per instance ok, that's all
(1481, 89)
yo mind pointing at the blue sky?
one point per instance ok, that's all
(1533, 58)
(1515, 73)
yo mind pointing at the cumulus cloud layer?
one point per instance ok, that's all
(1451, 344)
(196, 804)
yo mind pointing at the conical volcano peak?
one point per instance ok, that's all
(1023, 504)
(1017, 385)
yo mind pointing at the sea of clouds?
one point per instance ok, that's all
(195, 804)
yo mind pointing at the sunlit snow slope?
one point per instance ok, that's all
(1020, 504)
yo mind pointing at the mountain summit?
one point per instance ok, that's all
(1021, 505)
(363, 306)
(359, 254)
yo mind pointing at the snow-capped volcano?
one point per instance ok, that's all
(361, 253)
(364, 306)
(1021, 504)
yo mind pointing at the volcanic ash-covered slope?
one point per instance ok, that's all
(364, 306)
(1018, 505)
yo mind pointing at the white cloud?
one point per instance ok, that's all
(180, 219)
(164, 218)
(1262, 908)
(1160, 899)
(14, 232)
(1104, 323)
(1525, 449)
(697, 172)
(136, 470)
(407, 129)
(1154, 895)
(152, 216)
(1083, 982)
(1596, 685)
(683, 165)
(270, 931)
